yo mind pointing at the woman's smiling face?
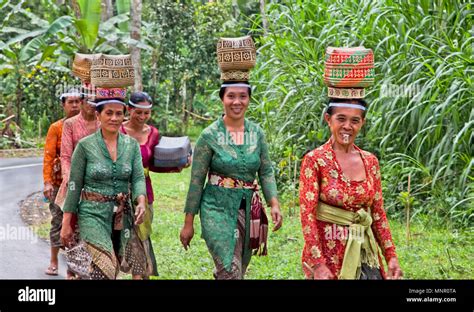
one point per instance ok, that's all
(236, 100)
(345, 123)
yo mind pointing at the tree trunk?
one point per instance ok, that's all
(107, 10)
(19, 95)
(154, 60)
(136, 14)
(236, 9)
(264, 17)
(76, 8)
(185, 114)
(190, 108)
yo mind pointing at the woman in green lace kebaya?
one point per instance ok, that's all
(231, 152)
(106, 174)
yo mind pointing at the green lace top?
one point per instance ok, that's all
(216, 152)
(93, 170)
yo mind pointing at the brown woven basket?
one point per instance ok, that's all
(81, 66)
(112, 71)
(236, 53)
(235, 75)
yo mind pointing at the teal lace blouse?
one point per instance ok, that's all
(93, 170)
(218, 207)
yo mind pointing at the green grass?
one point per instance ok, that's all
(433, 252)
(196, 263)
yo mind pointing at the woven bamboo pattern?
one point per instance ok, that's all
(346, 93)
(236, 53)
(349, 67)
(235, 75)
(112, 71)
(81, 66)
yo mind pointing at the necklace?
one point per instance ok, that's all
(111, 149)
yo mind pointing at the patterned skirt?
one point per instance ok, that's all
(139, 255)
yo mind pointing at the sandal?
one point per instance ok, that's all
(51, 271)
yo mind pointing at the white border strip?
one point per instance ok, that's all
(140, 106)
(235, 85)
(348, 105)
(109, 102)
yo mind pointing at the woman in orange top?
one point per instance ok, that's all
(52, 172)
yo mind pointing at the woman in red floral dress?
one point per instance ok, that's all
(341, 203)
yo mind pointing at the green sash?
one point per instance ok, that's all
(144, 229)
(361, 246)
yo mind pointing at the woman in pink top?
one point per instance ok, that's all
(139, 108)
(74, 129)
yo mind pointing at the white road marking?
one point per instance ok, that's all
(21, 166)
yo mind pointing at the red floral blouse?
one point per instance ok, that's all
(322, 179)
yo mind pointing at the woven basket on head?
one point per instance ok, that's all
(112, 71)
(349, 67)
(81, 66)
(236, 56)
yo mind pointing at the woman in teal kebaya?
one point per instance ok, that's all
(231, 153)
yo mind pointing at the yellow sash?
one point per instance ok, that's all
(361, 246)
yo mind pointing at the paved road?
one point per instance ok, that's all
(22, 254)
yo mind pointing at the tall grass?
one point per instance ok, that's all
(421, 112)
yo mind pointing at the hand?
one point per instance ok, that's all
(277, 218)
(190, 160)
(394, 270)
(186, 235)
(66, 234)
(48, 191)
(322, 272)
(139, 213)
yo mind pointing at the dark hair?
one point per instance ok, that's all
(137, 97)
(100, 108)
(222, 90)
(330, 110)
(72, 90)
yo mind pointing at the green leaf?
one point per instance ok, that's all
(88, 39)
(9, 53)
(111, 22)
(136, 43)
(123, 7)
(8, 30)
(4, 3)
(48, 51)
(22, 37)
(34, 19)
(88, 25)
(6, 69)
(31, 48)
(59, 24)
